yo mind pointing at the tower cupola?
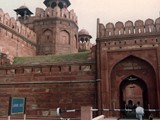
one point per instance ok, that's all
(84, 40)
(23, 11)
(59, 3)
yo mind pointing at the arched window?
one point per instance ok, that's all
(47, 37)
(64, 37)
(46, 41)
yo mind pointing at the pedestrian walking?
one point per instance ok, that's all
(139, 111)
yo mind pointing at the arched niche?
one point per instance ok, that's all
(102, 31)
(119, 28)
(64, 37)
(129, 28)
(109, 29)
(149, 26)
(47, 37)
(139, 26)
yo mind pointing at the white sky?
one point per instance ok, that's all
(89, 10)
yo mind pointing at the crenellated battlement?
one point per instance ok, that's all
(54, 68)
(127, 28)
(56, 12)
(129, 35)
(10, 22)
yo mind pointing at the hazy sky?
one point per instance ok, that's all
(89, 10)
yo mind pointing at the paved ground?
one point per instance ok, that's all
(12, 118)
(5, 118)
(136, 119)
(128, 119)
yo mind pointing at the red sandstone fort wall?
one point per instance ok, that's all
(47, 87)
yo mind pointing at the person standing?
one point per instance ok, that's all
(139, 111)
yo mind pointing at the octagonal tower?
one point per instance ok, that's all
(56, 28)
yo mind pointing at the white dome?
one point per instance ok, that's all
(83, 32)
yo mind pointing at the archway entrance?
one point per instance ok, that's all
(133, 79)
(132, 90)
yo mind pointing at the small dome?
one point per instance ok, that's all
(23, 7)
(83, 32)
(23, 10)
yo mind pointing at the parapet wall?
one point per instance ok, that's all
(128, 28)
(56, 12)
(17, 26)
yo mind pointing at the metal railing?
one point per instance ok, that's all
(86, 112)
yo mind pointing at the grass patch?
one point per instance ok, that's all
(52, 58)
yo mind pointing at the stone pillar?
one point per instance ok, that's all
(86, 113)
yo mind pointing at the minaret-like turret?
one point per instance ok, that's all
(54, 3)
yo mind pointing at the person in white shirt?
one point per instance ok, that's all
(139, 111)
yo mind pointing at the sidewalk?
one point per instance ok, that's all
(37, 118)
(128, 119)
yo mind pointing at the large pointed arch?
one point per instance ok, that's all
(132, 90)
(142, 70)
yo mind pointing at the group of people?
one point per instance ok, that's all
(136, 109)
